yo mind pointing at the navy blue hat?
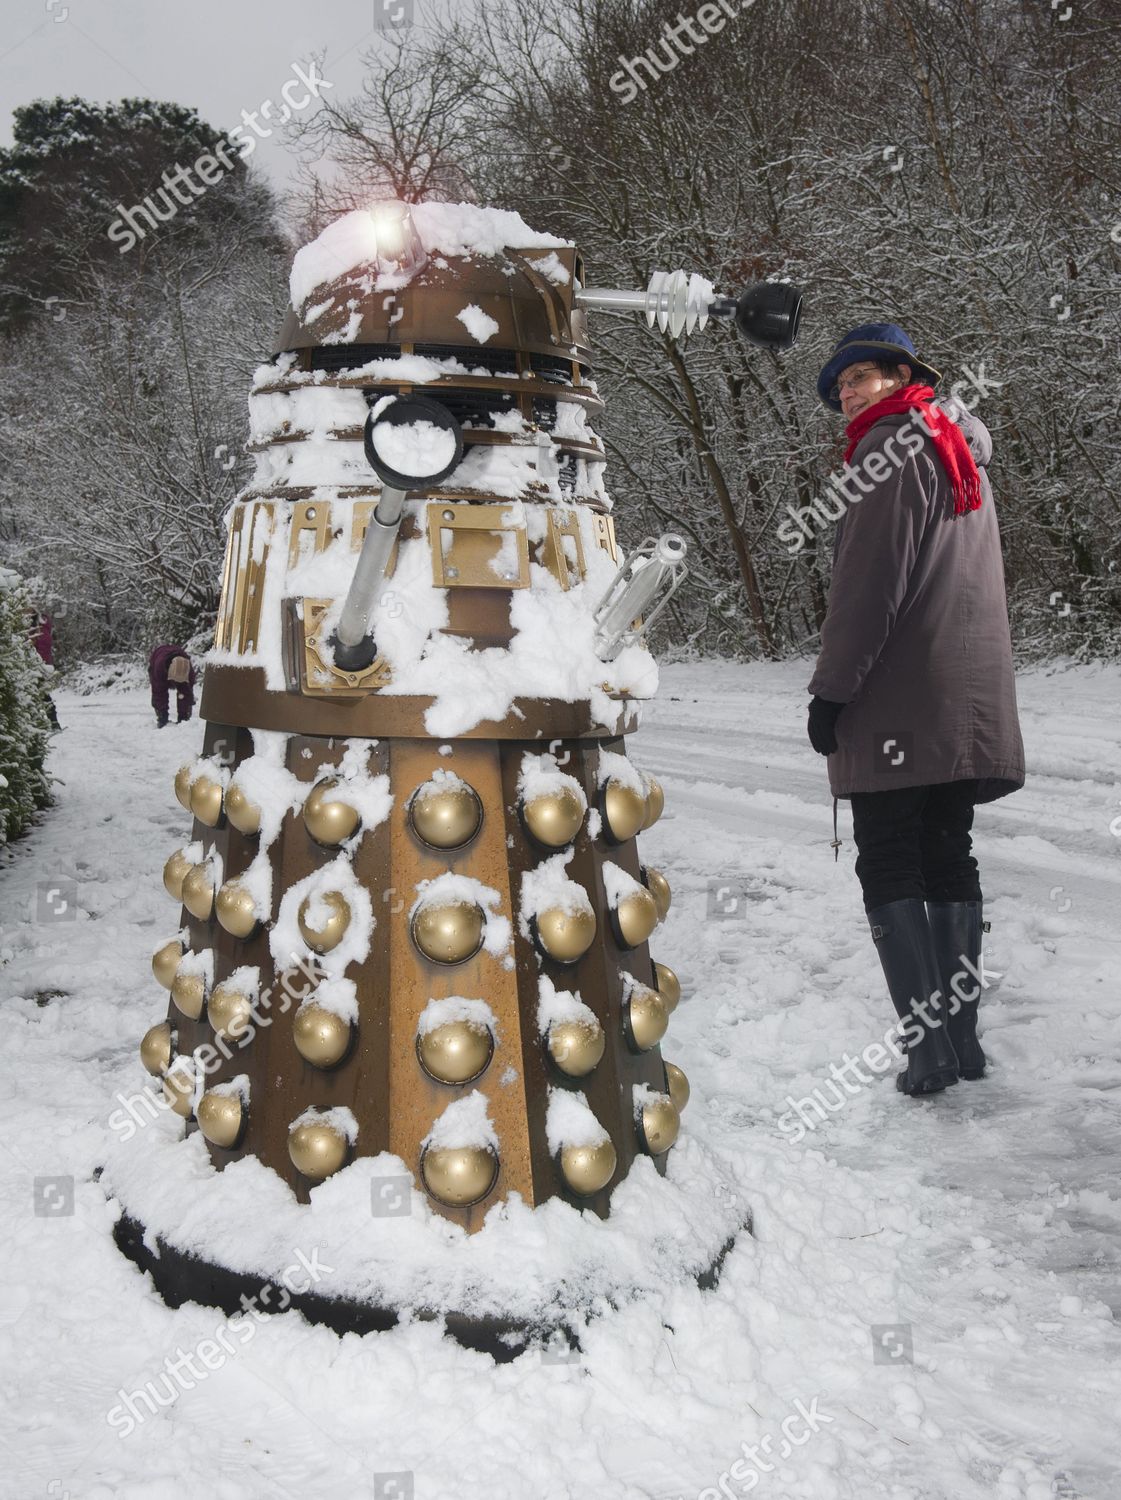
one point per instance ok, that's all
(877, 341)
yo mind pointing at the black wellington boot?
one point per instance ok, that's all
(905, 944)
(956, 927)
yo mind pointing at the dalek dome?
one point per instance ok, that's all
(446, 276)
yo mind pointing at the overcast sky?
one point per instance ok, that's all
(221, 56)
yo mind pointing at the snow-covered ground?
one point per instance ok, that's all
(934, 1283)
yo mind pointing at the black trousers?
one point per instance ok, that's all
(184, 702)
(915, 841)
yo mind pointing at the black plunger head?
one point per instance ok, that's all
(768, 314)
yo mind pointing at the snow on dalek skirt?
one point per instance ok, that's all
(414, 1028)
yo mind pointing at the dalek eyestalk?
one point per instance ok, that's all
(767, 314)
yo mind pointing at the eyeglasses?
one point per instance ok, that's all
(854, 377)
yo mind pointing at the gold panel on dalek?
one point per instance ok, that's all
(413, 1044)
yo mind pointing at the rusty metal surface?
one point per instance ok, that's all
(416, 1099)
(282, 1084)
(238, 696)
(381, 1080)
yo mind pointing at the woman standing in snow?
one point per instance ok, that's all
(914, 697)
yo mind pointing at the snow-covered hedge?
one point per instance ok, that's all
(121, 672)
(24, 725)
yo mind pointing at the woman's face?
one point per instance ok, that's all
(863, 384)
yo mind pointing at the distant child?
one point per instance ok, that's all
(170, 667)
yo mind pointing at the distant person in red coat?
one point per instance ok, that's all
(43, 637)
(170, 667)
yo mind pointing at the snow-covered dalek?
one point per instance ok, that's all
(416, 919)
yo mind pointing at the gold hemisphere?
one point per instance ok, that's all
(678, 1086)
(183, 786)
(188, 992)
(459, 1175)
(647, 1015)
(221, 1117)
(206, 800)
(668, 985)
(446, 817)
(329, 820)
(554, 818)
(588, 1169)
(165, 961)
(576, 1046)
(658, 886)
(455, 1052)
(235, 909)
(242, 813)
(566, 935)
(323, 939)
(655, 801)
(321, 1036)
(660, 1123)
(317, 1149)
(229, 1011)
(624, 810)
(636, 916)
(449, 932)
(175, 872)
(179, 1088)
(155, 1049)
(198, 892)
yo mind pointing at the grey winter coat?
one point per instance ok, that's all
(915, 640)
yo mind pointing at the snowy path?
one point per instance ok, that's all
(985, 1225)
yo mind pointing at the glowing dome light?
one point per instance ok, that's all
(399, 246)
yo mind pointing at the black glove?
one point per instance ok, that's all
(822, 726)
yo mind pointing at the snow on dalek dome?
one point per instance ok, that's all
(415, 1020)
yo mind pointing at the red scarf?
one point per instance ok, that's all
(948, 438)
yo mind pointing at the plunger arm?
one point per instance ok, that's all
(354, 644)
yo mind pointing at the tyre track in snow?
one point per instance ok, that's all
(1026, 843)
